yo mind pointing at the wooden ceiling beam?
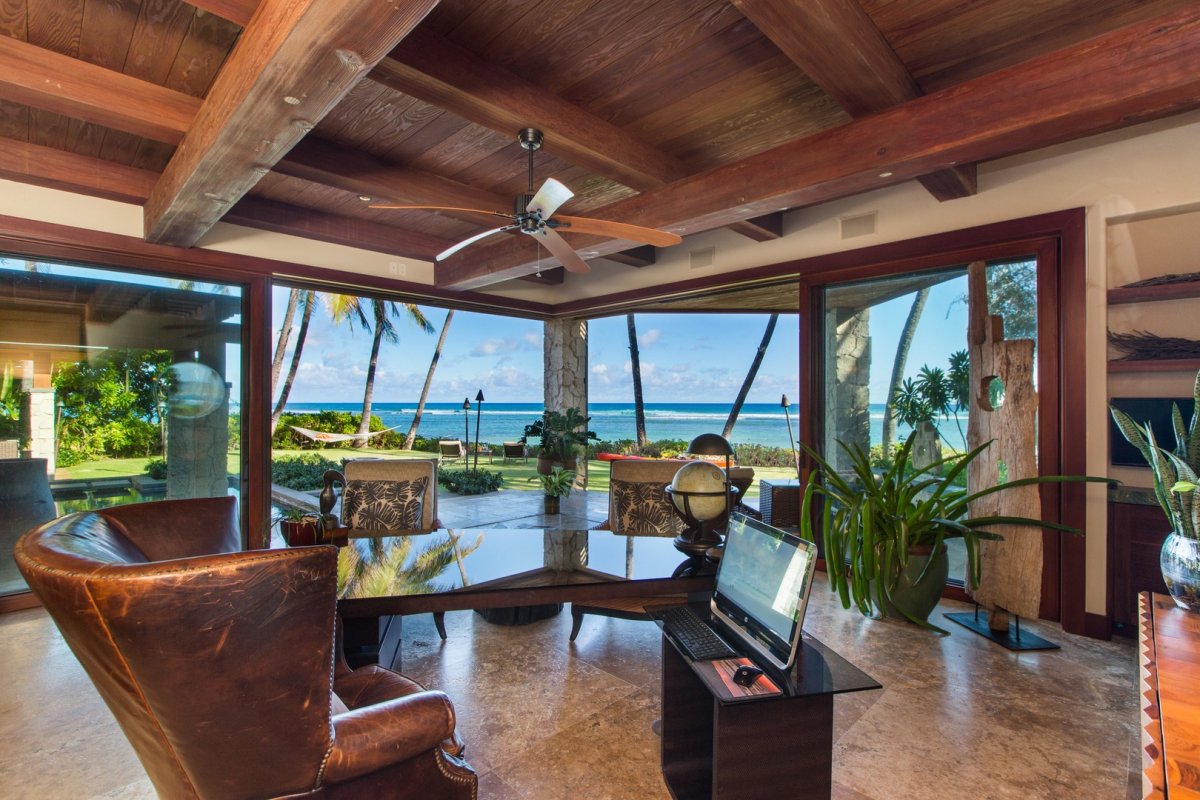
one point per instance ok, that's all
(41, 78)
(294, 61)
(439, 72)
(760, 229)
(327, 163)
(238, 12)
(58, 169)
(1151, 70)
(638, 257)
(838, 45)
(293, 220)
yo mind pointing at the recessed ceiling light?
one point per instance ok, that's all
(291, 101)
(366, 198)
(885, 174)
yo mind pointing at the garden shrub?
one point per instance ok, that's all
(462, 481)
(303, 473)
(156, 468)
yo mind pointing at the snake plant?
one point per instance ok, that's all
(1171, 467)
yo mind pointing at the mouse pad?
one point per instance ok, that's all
(718, 675)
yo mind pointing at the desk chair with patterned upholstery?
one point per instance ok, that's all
(637, 504)
(387, 494)
(221, 666)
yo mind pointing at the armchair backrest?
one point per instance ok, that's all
(452, 448)
(637, 501)
(216, 663)
(398, 469)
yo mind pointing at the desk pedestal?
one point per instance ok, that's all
(773, 748)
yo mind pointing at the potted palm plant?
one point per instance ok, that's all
(555, 485)
(561, 438)
(890, 528)
(1175, 477)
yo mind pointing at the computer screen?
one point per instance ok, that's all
(762, 587)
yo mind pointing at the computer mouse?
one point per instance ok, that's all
(746, 675)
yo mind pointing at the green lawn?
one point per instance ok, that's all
(515, 474)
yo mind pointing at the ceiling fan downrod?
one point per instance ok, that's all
(530, 139)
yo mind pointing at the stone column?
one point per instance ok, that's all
(565, 355)
(38, 418)
(847, 385)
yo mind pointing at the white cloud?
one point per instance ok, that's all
(649, 338)
(491, 347)
(533, 340)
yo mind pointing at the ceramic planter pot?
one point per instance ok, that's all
(546, 464)
(300, 534)
(919, 599)
(1180, 563)
(552, 504)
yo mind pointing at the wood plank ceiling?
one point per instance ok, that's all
(682, 114)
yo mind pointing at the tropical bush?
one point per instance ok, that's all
(110, 405)
(463, 481)
(156, 468)
(303, 473)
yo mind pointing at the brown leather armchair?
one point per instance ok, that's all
(221, 666)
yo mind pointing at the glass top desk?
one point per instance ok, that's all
(457, 569)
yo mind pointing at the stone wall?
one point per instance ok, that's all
(565, 373)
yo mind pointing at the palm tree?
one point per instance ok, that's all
(308, 299)
(433, 362)
(390, 567)
(285, 333)
(349, 307)
(750, 375)
(902, 348)
(635, 367)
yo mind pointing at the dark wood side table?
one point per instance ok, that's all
(754, 749)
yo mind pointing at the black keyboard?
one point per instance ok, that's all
(693, 635)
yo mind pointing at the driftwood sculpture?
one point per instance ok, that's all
(1011, 569)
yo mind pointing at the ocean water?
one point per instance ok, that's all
(758, 423)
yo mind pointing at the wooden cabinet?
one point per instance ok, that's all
(1135, 536)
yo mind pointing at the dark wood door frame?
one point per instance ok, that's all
(1057, 240)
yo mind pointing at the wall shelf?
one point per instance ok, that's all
(1156, 365)
(1149, 294)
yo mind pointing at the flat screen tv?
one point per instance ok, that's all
(1156, 411)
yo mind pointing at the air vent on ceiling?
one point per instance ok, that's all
(862, 225)
(703, 257)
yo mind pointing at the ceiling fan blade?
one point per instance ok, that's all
(620, 230)
(548, 198)
(559, 248)
(442, 256)
(394, 207)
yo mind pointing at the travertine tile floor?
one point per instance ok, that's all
(545, 719)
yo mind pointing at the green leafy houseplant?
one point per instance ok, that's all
(556, 485)
(872, 522)
(1175, 489)
(1170, 467)
(561, 437)
(299, 527)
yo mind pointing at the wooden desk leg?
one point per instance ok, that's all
(774, 748)
(687, 729)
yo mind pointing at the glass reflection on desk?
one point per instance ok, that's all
(437, 562)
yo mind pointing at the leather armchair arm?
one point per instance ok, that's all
(370, 738)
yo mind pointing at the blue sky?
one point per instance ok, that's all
(685, 358)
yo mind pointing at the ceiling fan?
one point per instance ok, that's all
(533, 214)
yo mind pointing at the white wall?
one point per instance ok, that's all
(1152, 168)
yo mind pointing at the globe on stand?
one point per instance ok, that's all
(702, 497)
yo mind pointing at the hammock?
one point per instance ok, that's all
(322, 436)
